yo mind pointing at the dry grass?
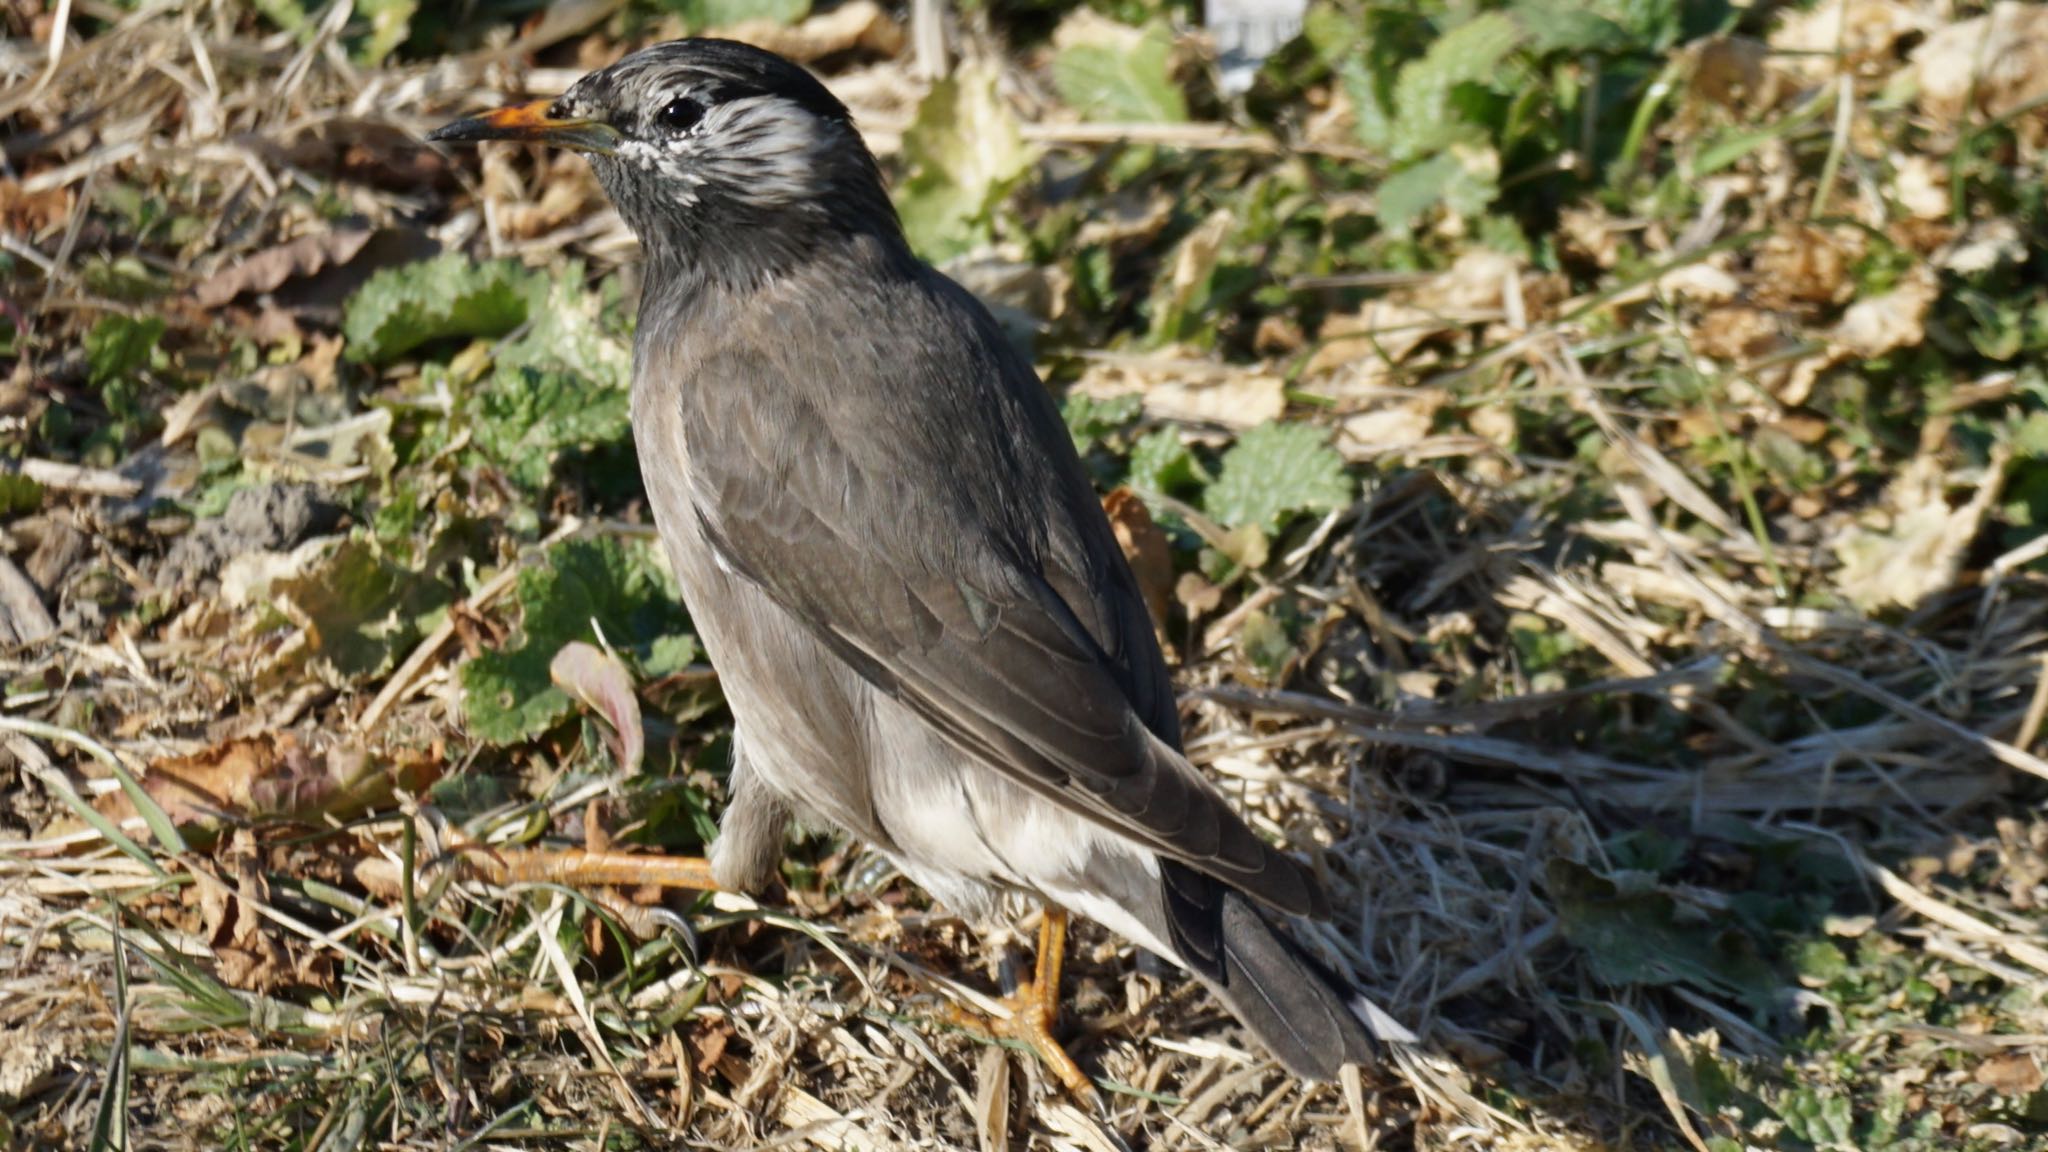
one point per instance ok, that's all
(1649, 835)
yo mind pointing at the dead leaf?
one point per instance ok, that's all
(1381, 332)
(30, 1055)
(339, 260)
(273, 266)
(599, 681)
(1914, 547)
(1739, 334)
(1591, 234)
(250, 953)
(1997, 62)
(567, 189)
(1867, 36)
(1197, 594)
(1701, 283)
(24, 619)
(1985, 245)
(1239, 400)
(31, 214)
(1128, 216)
(1145, 546)
(1801, 265)
(862, 25)
(2013, 1074)
(1733, 72)
(270, 777)
(1277, 335)
(1475, 283)
(1194, 259)
(1896, 319)
(1391, 426)
(1921, 186)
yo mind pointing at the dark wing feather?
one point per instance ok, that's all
(899, 481)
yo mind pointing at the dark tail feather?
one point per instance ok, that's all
(1310, 1018)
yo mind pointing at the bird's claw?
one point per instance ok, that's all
(1032, 1012)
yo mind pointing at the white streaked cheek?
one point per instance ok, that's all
(671, 163)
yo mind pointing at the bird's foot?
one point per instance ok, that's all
(1032, 1012)
(1035, 1008)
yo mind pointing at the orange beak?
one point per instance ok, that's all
(531, 122)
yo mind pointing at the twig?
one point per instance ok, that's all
(77, 478)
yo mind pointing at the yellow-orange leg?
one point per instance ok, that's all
(582, 868)
(1035, 1008)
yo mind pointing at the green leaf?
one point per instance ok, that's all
(1109, 71)
(1640, 935)
(1331, 31)
(289, 15)
(963, 152)
(1091, 420)
(390, 25)
(19, 495)
(118, 346)
(525, 417)
(1555, 26)
(577, 330)
(361, 609)
(1427, 117)
(704, 15)
(1162, 465)
(1819, 962)
(1463, 180)
(590, 590)
(1275, 472)
(399, 309)
(1371, 107)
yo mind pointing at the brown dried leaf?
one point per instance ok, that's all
(1896, 319)
(330, 264)
(1391, 425)
(1914, 548)
(1381, 332)
(1476, 282)
(2011, 1074)
(1868, 36)
(1197, 594)
(598, 680)
(1239, 400)
(861, 25)
(1591, 234)
(1997, 62)
(1145, 546)
(271, 777)
(31, 214)
(1738, 334)
(1733, 72)
(1921, 186)
(567, 189)
(1800, 265)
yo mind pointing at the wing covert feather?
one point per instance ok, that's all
(970, 575)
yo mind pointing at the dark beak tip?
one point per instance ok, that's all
(455, 132)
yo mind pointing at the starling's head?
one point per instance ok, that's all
(708, 144)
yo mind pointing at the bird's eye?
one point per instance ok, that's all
(681, 114)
